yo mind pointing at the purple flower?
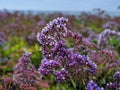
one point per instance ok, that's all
(2, 39)
(82, 60)
(93, 86)
(112, 86)
(24, 71)
(116, 84)
(105, 36)
(117, 76)
(57, 25)
(24, 58)
(61, 75)
(109, 25)
(48, 66)
(56, 54)
(41, 23)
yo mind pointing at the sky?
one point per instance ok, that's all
(60, 5)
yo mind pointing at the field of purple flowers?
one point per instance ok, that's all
(59, 52)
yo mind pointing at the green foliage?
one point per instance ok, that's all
(36, 54)
(14, 45)
(114, 42)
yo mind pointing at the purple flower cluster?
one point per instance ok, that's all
(24, 71)
(110, 25)
(79, 61)
(7, 82)
(59, 60)
(113, 86)
(2, 39)
(105, 36)
(116, 84)
(117, 76)
(51, 34)
(61, 75)
(93, 86)
(48, 66)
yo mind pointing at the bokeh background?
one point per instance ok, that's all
(21, 20)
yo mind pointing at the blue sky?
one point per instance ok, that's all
(60, 5)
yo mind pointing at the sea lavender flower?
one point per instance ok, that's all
(111, 86)
(52, 33)
(7, 83)
(48, 66)
(93, 86)
(117, 76)
(105, 36)
(116, 84)
(41, 23)
(2, 39)
(82, 60)
(61, 75)
(63, 62)
(24, 71)
(109, 25)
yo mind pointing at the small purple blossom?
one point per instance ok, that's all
(61, 75)
(41, 23)
(2, 39)
(113, 86)
(116, 84)
(82, 60)
(109, 25)
(117, 76)
(105, 36)
(93, 86)
(48, 66)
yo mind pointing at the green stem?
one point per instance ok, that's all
(73, 83)
(4, 72)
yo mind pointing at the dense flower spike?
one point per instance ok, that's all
(48, 66)
(51, 31)
(77, 60)
(7, 82)
(24, 71)
(113, 86)
(105, 36)
(63, 62)
(61, 75)
(110, 25)
(117, 76)
(93, 86)
(51, 34)
(116, 84)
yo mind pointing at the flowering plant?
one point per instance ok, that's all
(67, 64)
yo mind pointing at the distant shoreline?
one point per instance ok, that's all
(75, 13)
